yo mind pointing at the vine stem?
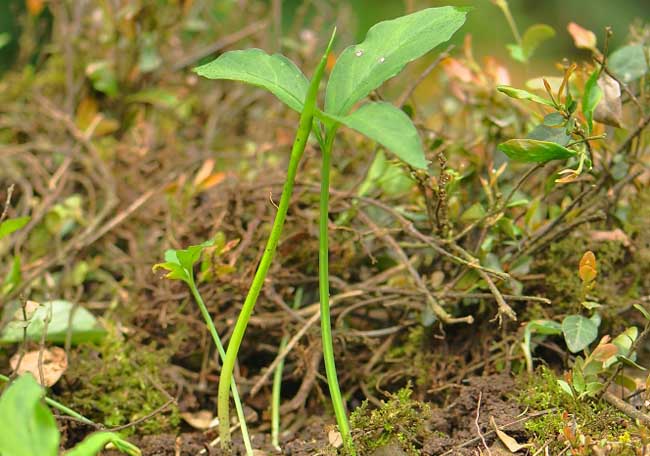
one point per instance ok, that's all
(324, 291)
(222, 354)
(297, 151)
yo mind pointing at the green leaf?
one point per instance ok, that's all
(630, 362)
(550, 134)
(5, 39)
(390, 127)
(590, 99)
(180, 263)
(543, 327)
(475, 212)
(13, 224)
(13, 278)
(85, 327)
(643, 311)
(578, 332)
(103, 77)
(628, 63)
(388, 47)
(533, 37)
(520, 94)
(275, 73)
(27, 427)
(564, 386)
(534, 151)
(94, 443)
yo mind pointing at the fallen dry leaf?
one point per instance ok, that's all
(616, 235)
(55, 362)
(203, 419)
(510, 443)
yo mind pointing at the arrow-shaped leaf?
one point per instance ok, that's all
(275, 73)
(388, 47)
(390, 127)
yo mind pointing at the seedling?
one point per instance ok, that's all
(585, 377)
(180, 264)
(360, 69)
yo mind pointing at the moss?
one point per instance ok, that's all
(591, 421)
(399, 422)
(115, 383)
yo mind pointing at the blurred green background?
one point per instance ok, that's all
(486, 23)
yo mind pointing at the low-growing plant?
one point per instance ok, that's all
(586, 377)
(28, 427)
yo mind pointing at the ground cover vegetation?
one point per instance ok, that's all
(429, 252)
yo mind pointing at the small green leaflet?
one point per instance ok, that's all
(520, 94)
(13, 224)
(390, 127)
(275, 73)
(534, 151)
(533, 37)
(579, 332)
(388, 47)
(590, 98)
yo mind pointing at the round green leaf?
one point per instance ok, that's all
(578, 332)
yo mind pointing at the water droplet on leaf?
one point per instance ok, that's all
(382, 59)
(359, 53)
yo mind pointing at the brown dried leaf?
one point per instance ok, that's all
(616, 235)
(510, 443)
(609, 110)
(55, 362)
(203, 419)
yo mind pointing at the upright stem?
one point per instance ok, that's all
(222, 354)
(277, 382)
(324, 291)
(302, 135)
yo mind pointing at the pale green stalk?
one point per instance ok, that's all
(324, 291)
(302, 135)
(222, 354)
(277, 383)
(505, 8)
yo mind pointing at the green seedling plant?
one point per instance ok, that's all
(359, 70)
(585, 379)
(28, 427)
(180, 266)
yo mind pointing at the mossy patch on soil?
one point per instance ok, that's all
(400, 422)
(584, 425)
(118, 382)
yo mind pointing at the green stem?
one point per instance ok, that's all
(277, 383)
(324, 290)
(222, 354)
(302, 135)
(125, 445)
(505, 8)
